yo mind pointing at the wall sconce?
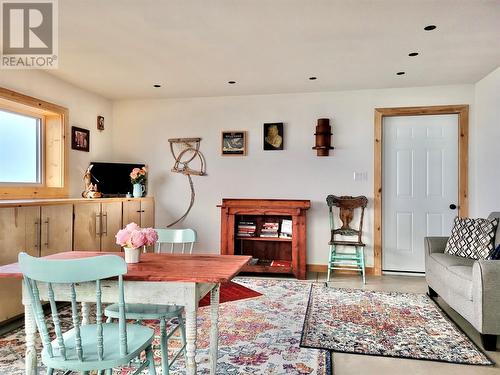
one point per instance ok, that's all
(323, 137)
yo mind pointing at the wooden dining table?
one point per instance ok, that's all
(169, 279)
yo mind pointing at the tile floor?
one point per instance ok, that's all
(351, 364)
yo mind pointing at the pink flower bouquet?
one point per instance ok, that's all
(138, 175)
(134, 237)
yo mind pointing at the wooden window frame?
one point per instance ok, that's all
(54, 159)
(463, 161)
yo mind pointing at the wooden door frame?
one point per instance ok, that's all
(463, 159)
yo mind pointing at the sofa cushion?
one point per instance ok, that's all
(459, 280)
(472, 238)
(447, 260)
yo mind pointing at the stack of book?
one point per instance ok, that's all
(269, 229)
(286, 228)
(246, 229)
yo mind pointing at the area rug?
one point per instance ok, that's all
(388, 324)
(259, 335)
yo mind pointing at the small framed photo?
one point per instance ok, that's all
(273, 136)
(80, 139)
(234, 143)
(100, 122)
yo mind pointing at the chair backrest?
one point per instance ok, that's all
(184, 237)
(42, 274)
(346, 205)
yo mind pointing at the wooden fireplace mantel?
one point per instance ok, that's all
(281, 250)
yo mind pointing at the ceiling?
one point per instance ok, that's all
(120, 48)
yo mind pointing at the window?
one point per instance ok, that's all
(20, 146)
(33, 151)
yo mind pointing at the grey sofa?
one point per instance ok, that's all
(470, 287)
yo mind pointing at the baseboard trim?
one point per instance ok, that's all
(323, 268)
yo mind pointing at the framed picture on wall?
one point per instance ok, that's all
(273, 136)
(234, 143)
(80, 139)
(100, 122)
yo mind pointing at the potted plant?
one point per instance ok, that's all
(138, 178)
(132, 238)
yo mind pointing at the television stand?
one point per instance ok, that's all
(272, 231)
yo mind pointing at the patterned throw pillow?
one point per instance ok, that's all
(472, 238)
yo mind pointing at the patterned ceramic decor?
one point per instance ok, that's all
(260, 335)
(388, 324)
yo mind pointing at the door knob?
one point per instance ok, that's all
(453, 206)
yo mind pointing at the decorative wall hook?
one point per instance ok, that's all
(323, 137)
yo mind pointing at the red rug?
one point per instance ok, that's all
(231, 292)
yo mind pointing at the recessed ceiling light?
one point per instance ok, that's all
(231, 82)
(157, 85)
(400, 73)
(313, 78)
(413, 54)
(430, 27)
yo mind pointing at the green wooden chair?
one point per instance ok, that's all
(163, 313)
(84, 348)
(350, 261)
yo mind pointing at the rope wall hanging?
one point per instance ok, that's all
(186, 151)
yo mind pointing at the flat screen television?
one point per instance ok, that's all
(113, 179)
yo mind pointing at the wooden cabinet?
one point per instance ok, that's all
(19, 231)
(271, 254)
(37, 231)
(96, 225)
(140, 212)
(56, 229)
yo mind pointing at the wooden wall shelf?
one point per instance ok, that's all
(290, 253)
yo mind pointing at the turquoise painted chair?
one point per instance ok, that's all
(184, 237)
(84, 348)
(340, 236)
(163, 313)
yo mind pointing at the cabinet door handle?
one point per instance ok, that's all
(37, 234)
(98, 222)
(46, 222)
(105, 230)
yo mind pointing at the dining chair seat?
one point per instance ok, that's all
(140, 311)
(138, 339)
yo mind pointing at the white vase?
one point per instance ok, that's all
(138, 190)
(132, 255)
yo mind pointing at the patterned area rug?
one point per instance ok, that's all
(257, 336)
(388, 324)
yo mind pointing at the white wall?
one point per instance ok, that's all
(84, 107)
(142, 129)
(487, 171)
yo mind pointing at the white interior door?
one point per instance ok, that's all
(419, 182)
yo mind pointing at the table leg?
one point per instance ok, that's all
(30, 361)
(85, 313)
(214, 328)
(190, 339)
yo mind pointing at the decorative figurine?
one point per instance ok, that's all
(90, 188)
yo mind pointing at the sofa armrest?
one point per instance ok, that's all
(435, 244)
(486, 294)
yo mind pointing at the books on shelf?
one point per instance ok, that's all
(286, 228)
(269, 230)
(246, 228)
